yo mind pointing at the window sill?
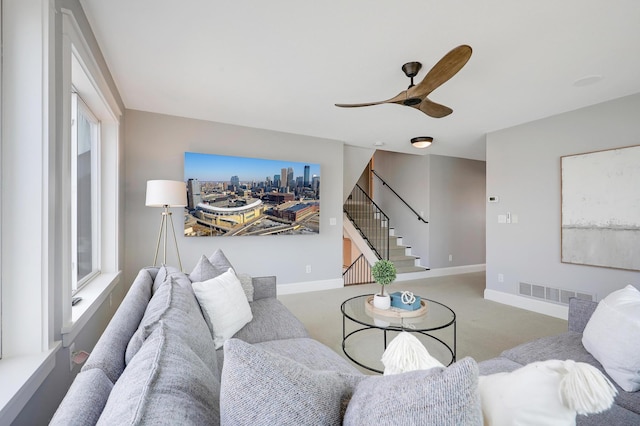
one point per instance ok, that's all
(21, 377)
(93, 296)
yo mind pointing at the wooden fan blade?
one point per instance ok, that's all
(446, 68)
(396, 99)
(433, 109)
(360, 105)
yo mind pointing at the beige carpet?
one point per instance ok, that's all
(484, 328)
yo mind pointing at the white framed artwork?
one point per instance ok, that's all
(601, 208)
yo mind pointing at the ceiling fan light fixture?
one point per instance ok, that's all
(421, 141)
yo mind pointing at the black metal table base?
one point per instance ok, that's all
(396, 329)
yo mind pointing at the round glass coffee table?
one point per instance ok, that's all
(434, 324)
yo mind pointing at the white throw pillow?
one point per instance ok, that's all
(548, 393)
(612, 336)
(225, 305)
(407, 353)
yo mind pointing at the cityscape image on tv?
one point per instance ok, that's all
(235, 196)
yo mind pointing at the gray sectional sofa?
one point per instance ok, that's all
(156, 364)
(568, 345)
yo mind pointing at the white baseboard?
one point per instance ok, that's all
(307, 286)
(441, 272)
(551, 309)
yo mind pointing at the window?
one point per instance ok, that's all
(85, 194)
(89, 190)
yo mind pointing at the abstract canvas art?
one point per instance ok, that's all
(240, 196)
(601, 208)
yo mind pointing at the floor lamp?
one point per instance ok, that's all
(166, 194)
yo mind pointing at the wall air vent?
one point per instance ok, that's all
(537, 291)
(552, 294)
(525, 289)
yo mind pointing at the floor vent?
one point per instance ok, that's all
(550, 294)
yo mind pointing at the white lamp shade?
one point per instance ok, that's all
(172, 193)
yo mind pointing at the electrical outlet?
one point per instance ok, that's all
(72, 349)
(500, 278)
(308, 269)
(450, 258)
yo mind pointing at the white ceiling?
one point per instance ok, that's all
(282, 64)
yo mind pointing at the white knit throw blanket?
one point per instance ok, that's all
(407, 353)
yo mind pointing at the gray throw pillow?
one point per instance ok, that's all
(176, 306)
(164, 384)
(220, 261)
(204, 270)
(261, 388)
(247, 285)
(435, 397)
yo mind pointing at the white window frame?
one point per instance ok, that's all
(81, 73)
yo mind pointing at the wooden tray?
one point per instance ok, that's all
(395, 312)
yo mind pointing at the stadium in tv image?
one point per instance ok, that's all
(235, 196)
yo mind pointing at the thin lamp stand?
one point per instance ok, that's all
(164, 224)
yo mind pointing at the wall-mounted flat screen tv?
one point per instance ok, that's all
(236, 196)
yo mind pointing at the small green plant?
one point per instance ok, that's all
(384, 272)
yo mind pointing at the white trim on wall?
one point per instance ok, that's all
(308, 286)
(27, 131)
(545, 308)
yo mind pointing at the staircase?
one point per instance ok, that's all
(400, 255)
(373, 226)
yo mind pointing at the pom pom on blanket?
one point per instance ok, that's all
(407, 353)
(585, 389)
(547, 393)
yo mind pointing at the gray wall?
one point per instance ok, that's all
(450, 193)
(523, 169)
(155, 150)
(356, 160)
(457, 211)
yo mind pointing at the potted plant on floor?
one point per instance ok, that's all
(384, 272)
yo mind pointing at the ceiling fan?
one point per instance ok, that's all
(416, 95)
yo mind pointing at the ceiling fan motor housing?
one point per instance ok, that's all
(411, 101)
(411, 69)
